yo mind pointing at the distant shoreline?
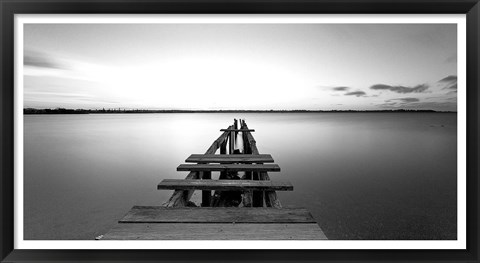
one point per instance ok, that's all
(29, 111)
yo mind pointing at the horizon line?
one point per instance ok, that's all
(30, 110)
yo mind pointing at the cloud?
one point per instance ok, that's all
(401, 89)
(453, 86)
(356, 93)
(449, 79)
(388, 104)
(340, 88)
(401, 101)
(39, 60)
(407, 100)
(450, 82)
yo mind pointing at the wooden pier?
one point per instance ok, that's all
(242, 204)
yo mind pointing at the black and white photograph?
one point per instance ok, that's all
(321, 131)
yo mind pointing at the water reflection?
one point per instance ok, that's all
(362, 175)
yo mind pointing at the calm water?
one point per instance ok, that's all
(361, 175)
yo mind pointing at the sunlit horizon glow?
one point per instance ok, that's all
(241, 66)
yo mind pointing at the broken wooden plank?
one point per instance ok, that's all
(186, 231)
(181, 198)
(229, 158)
(229, 167)
(271, 199)
(159, 214)
(224, 185)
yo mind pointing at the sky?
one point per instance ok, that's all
(241, 66)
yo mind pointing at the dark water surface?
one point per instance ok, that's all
(361, 175)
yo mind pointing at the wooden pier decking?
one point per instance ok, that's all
(241, 205)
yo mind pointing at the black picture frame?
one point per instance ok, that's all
(8, 8)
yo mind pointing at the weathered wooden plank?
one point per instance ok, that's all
(180, 197)
(224, 185)
(247, 196)
(185, 231)
(159, 214)
(271, 198)
(238, 130)
(216, 144)
(229, 158)
(229, 167)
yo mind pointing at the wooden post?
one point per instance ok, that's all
(231, 142)
(246, 146)
(223, 150)
(223, 175)
(257, 195)
(235, 126)
(206, 194)
(250, 194)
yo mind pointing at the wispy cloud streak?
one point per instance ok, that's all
(450, 82)
(401, 89)
(340, 88)
(39, 60)
(356, 93)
